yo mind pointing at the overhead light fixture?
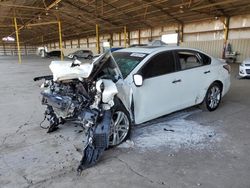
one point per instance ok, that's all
(8, 39)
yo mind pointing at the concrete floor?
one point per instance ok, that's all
(215, 152)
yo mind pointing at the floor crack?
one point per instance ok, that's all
(137, 173)
(21, 126)
(28, 181)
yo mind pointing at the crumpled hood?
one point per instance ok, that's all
(62, 70)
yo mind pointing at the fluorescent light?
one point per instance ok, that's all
(10, 39)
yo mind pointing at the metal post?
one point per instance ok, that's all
(139, 36)
(125, 36)
(120, 42)
(42, 41)
(226, 28)
(17, 40)
(111, 39)
(180, 34)
(151, 34)
(25, 48)
(97, 39)
(87, 42)
(4, 50)
(78, 43)
(60, 39)
(128, 38)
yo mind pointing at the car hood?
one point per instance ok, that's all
(65, 70)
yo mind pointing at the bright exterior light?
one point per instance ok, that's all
(10, 39)
(170, 38)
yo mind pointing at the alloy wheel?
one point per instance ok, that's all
(214, 97)
(119, 128)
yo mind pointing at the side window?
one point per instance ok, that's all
(205, 59)
(160, 64)
(189, 59)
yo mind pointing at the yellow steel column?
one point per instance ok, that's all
(97, 38)
(125, 36)
(17, 41)
(60, 38)
(226, 28)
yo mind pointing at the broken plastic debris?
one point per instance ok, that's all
(127, 144)
(170, 130)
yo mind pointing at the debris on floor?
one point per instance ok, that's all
(175, 133)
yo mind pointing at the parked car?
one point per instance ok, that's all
(54, 53)
(87, 54)
(244, 69)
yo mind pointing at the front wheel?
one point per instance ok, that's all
(89, 57)
(213, 97)
(120, 126)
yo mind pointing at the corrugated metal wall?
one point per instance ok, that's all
(11, 49)
(214, 48)
(242, 46)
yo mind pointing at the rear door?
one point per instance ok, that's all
(195, 70)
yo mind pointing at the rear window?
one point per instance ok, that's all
(127, 61)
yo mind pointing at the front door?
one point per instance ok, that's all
(159, 93)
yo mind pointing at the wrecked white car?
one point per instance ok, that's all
(129, 86)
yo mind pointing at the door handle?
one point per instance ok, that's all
(206, 72)
(175, 81)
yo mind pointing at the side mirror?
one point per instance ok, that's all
(138, 80)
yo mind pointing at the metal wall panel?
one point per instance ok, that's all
(214, 47)
(242, 46)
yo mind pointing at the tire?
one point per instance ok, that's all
(120, 128)
(89, 57)
(213, 97)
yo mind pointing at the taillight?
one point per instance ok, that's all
(228, 68)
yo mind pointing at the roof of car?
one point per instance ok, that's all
(150, 49)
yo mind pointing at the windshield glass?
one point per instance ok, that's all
(127, 61)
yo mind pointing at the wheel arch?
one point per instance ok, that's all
(219, 83)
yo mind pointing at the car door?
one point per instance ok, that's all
(194, 68)
(159, 93)
(81, 54)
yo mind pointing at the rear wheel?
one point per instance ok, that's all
(213, 97)
(120, 125)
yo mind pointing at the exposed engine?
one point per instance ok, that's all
(83, 102)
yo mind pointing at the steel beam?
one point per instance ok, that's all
(60, 38)
(97, 38)
(125, 36)
(17, 40)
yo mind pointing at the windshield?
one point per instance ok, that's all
(127, 61)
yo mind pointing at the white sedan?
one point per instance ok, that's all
(244, 69)
(160, 80)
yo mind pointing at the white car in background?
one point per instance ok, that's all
(244, 69)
